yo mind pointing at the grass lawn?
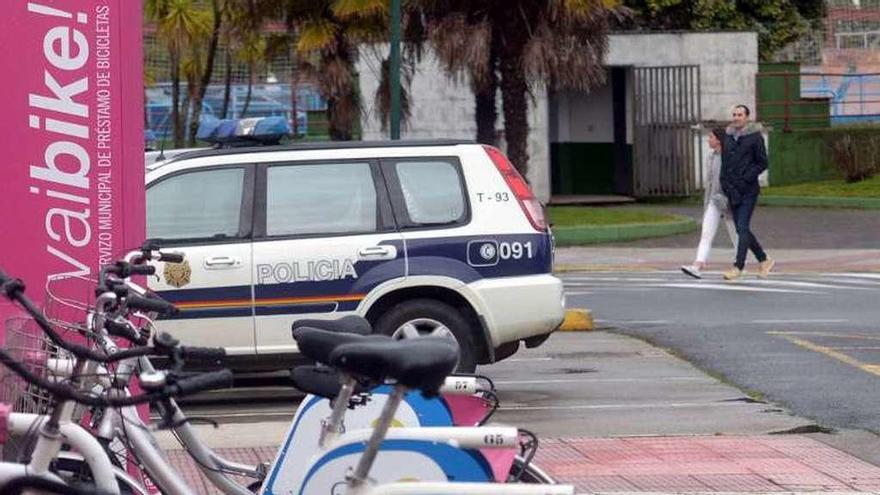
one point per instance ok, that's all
(564, 216)
(869, 188)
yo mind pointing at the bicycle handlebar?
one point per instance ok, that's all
(185, 386)
(13, 289)
(203, 381)
(202, 353)
(125, 331)
(150, 250)
(150, 305)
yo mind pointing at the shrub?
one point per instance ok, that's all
(855, 151)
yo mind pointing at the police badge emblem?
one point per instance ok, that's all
(177, 274)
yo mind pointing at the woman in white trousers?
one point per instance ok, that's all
(715, 207)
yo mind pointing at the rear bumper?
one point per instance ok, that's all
(517, 308)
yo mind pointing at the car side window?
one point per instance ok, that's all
(326, 198)
(432, 191)
(204, 204)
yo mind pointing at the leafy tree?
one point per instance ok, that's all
(778, 22)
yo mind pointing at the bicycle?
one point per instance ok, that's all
(151, 459)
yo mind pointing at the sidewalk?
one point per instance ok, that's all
(615, 414)
(621, 258)
(700, 464)
(745, 464)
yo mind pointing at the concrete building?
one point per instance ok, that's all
(634, 136)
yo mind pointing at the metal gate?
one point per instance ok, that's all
(666, 109)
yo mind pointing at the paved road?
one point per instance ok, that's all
(808, 342)
(594, 384)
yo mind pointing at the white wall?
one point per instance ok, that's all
(728, 63)
(443, 108)
(584, 118)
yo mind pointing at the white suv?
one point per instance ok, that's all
(417, 237)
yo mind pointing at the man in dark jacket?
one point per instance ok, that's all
(743, 158)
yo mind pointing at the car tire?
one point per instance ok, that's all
(423, 314)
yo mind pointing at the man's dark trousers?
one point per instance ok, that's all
(742, 217)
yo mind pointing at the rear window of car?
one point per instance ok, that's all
(431, 192)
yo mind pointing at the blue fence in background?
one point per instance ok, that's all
(266, 100)
(854, 98)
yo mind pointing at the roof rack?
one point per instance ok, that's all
(323, 145)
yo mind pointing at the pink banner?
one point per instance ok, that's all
(71, 135)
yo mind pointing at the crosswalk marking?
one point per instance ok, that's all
(814, 284)
(775, 322)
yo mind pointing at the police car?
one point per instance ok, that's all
(427, 237)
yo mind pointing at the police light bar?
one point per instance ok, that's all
(244, 132)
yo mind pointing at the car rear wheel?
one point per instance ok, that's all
(429, 317)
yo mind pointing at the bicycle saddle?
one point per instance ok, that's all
(347, 324)
(317, 344)
(422, 363)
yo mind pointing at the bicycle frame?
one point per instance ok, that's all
(49, 445)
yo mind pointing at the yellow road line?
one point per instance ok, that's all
(829, 334)
(806, 344)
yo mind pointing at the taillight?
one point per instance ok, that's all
(519, 187)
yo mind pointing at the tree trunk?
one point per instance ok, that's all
(486, 111)
(187, 104)
(294, 79)
(342, 103)
(486, 116)
(227, 84)
(486, 99)
(514, 96)
(207, 74)
(175, 100)
(250, 89)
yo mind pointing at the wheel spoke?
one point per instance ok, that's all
(409, 331)
(442, 331)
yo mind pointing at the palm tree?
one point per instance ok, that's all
(207, 72)
(242, 39)
(326, 35)
(252, 52)
(326, 51)
(471, 53)
(180, 24)
(519, 45)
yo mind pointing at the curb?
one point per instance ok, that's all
(820, 202)
(577, 320)
(595, 267)
(593, 234)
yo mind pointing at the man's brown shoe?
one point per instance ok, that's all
(766, 266)
(733, 274)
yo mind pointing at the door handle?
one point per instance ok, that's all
(377, 253)
(222, 262)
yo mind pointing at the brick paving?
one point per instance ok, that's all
(696, 464)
